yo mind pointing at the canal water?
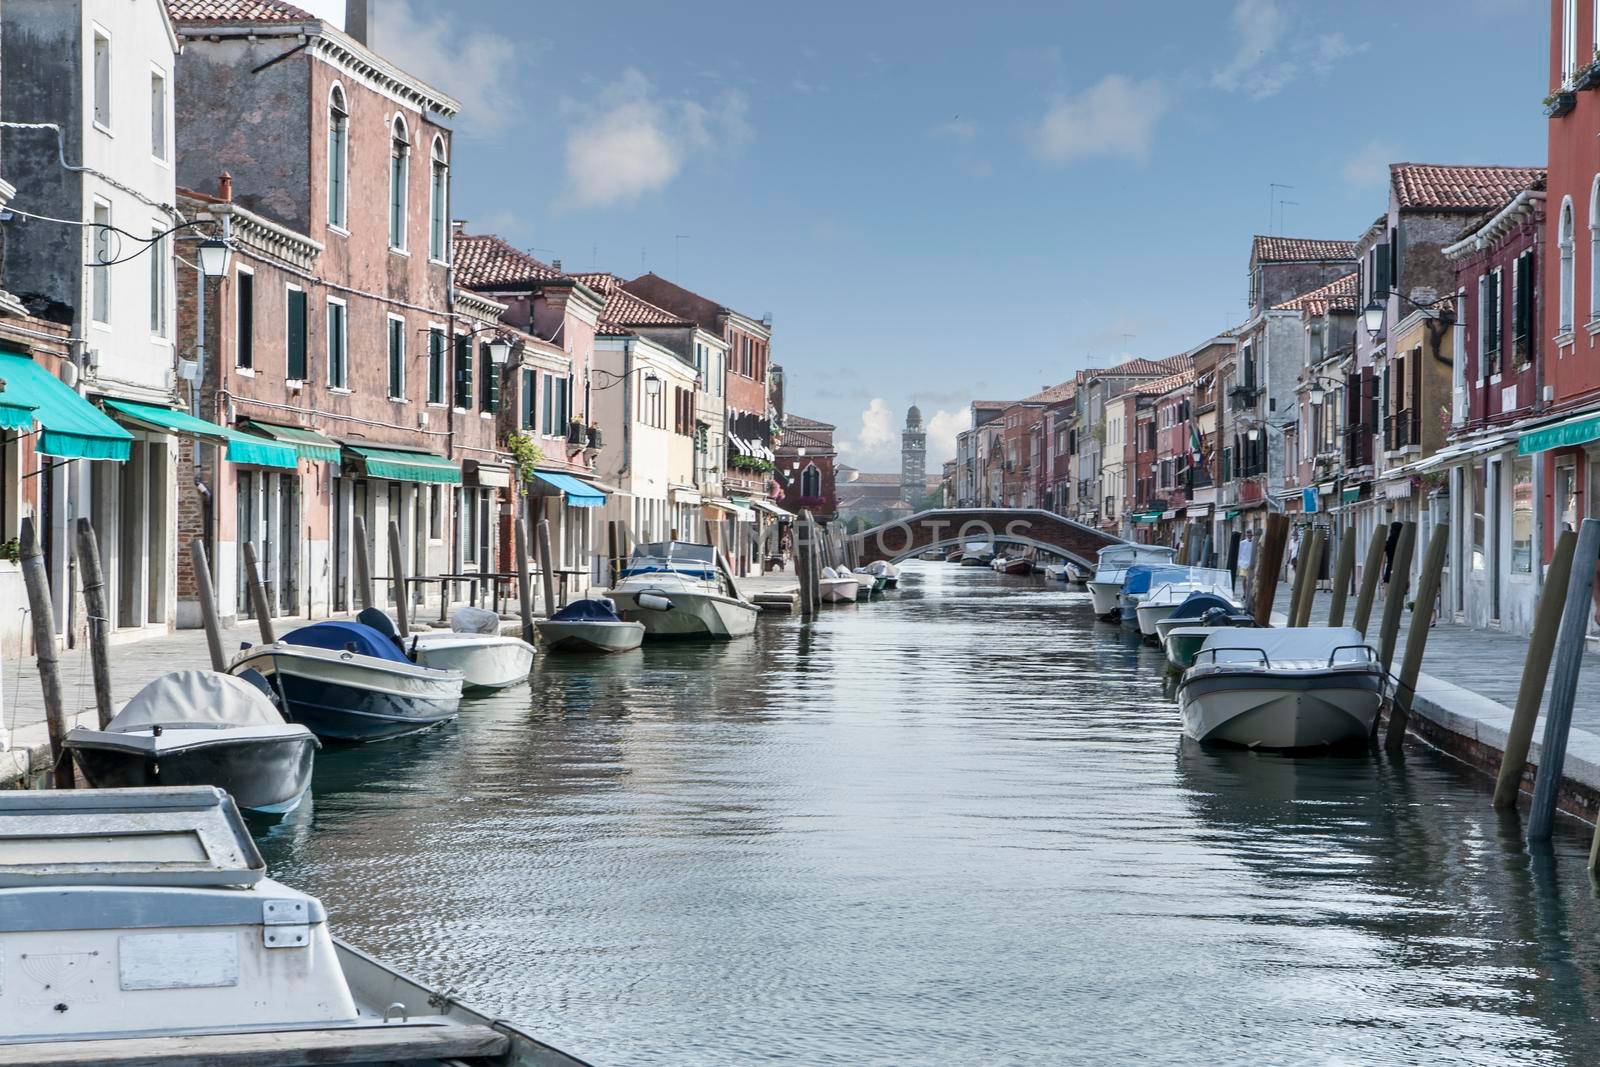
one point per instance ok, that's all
(959, 825)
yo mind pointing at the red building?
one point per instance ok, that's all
(805, 467)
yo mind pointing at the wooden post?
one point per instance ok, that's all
(727, 568)
(808, 537)
(802, 565)
(614, 557)
(1297, 589)
(1394, 605)
(40, 610)
(525, 581)
(1564, 687)
(258, 595)
(208, 604)
(1370, 574)
(1342, 572)
(1311, 563)
(363, 565)
(547, 566)
(1267, 563)
(397, 579)
(1233, 560)
(1417, 637)
(94, 602)
(1535, 669)
(1183, 542)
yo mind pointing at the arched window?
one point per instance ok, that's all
(439, 204)
(338, 158)
(1594, 250)
(810, 482)
(399, 174)
(1566, 242)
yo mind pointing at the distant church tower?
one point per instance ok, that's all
(913, 459)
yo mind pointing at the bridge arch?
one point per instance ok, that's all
(946, 528)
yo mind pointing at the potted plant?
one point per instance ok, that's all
(1560, 102)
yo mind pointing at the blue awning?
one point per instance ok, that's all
(579, 494)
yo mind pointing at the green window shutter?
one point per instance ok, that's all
(435, 366)
(491, 380)
(296, 368)
(463, 397)
(397, 359)
(527, 400)
(547, 426)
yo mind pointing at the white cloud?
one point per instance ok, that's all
(942, 429)
(1114, 117)
(1369, 167)
(629, 141)
(1263, 63)
(876, 445)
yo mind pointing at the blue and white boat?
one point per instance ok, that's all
(1111, 568)
(1173, 589)
(348, 682)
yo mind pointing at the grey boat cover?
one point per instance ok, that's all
(1302, 647)
(204, 700)
(471, 620)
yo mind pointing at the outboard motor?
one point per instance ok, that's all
(381, 622)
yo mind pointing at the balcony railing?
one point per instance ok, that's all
(1358, 446)
(1401, 430)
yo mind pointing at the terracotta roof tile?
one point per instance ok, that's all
(1299, 250)
(1452, 187)
(1166, 385)
(991, 405)
(224, 12)
(1052, 394)
(488, 262)
(800, 422)
(807, 440)
(1339, 294)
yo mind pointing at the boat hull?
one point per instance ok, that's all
(1183, 643)
(692, 615)
(1280, 709)
(353, 699)
(485, 661)
(1016, 566)
(1106, 596)
(839, 590)
(589, 636)
(263, 774)
(1151, 614)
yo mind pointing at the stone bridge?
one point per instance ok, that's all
(948, 528)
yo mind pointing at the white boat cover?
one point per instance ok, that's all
(470, 620)
(1286, 646)
(829, 572)
(197, 699)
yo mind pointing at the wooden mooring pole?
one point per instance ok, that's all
(1417, 637)
(547, 568)
(525, 580)
(94, 603)
(1312, 562)
(1266, 565)
(1233, 559)
(1535, 669)
(1342, 572)
(397, 580)
(208, 604)
(258, 595)
(802, 565)
(1370, 573)
(363, 565)
(1564, 686)
(613, 552)
(1394, 605)
(37, 582)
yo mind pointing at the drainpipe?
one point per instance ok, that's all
(627, 408)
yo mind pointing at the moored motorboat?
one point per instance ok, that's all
(138, 927)
(201, 728)
(591, 625)
(837, 588)
(486, 658)
(1167, 595)
(885, 570)
(873, 582)
(1105, 585)
(1015, 565)
(677, 589)
(1306, 687)
(349, 682)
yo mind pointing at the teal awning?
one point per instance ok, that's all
(242, 447)
(309, 443)
(69, 426)
(1576, 431)
(579, 494)
(404, 466)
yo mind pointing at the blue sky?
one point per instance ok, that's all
(939, 203)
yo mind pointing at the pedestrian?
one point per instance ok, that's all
(1247, 554)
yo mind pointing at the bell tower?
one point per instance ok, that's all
(913, 459)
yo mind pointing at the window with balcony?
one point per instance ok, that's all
(338, 158)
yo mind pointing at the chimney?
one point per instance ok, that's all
(225, 188)
(458, 226)
(358, 19)
(556, 264)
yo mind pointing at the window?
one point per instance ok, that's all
(556, 406)
(1489, 307)
(525, 419)
(435, 513)
(1594, 250)
(159, 266)
(397, 358)
(102, 79)
(439, 204)
(489, 376)
(1522, 515)
(1522, 309)
(1569, 39)
(1479, 492)
(100, 273)
(244, 300)
(295, 364)
(338, 159)
(463, 397)
(435, 365)
(1565, 240)
(158, 115)
(399, 172)
(338, 349)
(810, 482)
(716, 372)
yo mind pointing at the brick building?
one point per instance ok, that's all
(805, 467)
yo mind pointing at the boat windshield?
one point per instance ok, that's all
(684, 557)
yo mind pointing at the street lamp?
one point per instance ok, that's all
(499, 349)
(1372, 317)
(214, 255)
(652, 384)
(1373, 314)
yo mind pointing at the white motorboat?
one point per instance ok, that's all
(1111, 567)
(138, 927)
(1307, 687)
(839, 588)
(1168, 594)
(885, 570)
(473, 645)
(201, 728)
(591, 625)
(677, 589)
(977, 554)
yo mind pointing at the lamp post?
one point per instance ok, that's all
(1373, 315)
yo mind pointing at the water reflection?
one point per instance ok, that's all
(956, 824)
